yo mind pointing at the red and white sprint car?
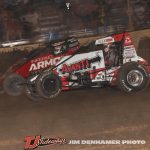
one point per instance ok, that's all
(65, 65)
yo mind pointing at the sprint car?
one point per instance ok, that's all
(109, 61)
(17, 79)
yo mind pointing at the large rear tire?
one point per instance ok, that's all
(48, 85)
(133, 77)
(13, 85)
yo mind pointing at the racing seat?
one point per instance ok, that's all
(111, 55)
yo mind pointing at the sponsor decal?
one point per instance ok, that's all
(144, 69)
(129, 51)
(106, 40)
(43, 64)
(42, 58)
(129, 89)
(84, 64)
(81, 65)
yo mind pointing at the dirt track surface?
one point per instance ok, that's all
(101, 114)
(85, 114)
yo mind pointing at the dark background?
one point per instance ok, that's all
(51, 19)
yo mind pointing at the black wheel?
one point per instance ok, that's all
(133, 77)
(48, 85)
(30, 90)
(13, 84)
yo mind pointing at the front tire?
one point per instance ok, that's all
(48, 85)
(133, 77)
(13, 84)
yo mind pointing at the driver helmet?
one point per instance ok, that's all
(59, 47)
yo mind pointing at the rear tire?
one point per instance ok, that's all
(13, 84)
(133, 77)
(48, 85)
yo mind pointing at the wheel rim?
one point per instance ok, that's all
(135, 78)
(50, 85)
